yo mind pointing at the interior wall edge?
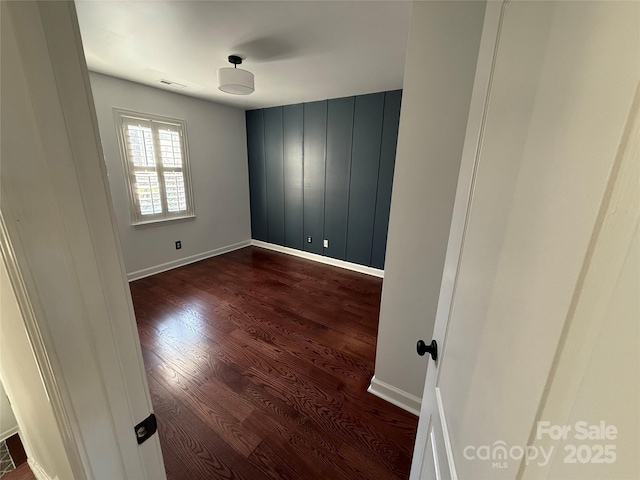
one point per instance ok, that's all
(433, 124)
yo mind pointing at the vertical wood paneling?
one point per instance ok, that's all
(257, 174)
(273, 148)
(391, 120)
(339, 132)
(293, 179)
(365, 160)
(325, 170)
(315, 142)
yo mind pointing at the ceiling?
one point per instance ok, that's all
(299, 51)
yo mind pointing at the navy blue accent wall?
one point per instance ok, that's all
(293, 177)
(390, 123)
(365, 163)
(325, 170)
(274, 161)
(257, 174)
(314, 155)
(338, 172)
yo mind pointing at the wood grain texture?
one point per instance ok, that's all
(258, 364)
(23, 472)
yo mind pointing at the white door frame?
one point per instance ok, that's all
(41, 357)
(478, 110)
(62, 248)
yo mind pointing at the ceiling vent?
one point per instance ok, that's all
(172, 84)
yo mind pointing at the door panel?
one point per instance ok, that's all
(483, 270)
(428, 468)
(433, 459)
(532, 182)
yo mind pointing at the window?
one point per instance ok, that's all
(154, 152)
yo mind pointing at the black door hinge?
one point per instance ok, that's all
(146, 428)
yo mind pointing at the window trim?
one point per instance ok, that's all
(137, 219)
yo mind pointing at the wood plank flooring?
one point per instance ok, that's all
(22, 472)
(258, 364)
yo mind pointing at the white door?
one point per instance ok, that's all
(61, 248)
(549, 132)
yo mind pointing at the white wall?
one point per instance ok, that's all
(20, 375)
(218, 158)
(440, 68)
(8, 423)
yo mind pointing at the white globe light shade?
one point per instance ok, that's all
(235, 81)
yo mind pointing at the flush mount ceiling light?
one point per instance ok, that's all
(235, 80)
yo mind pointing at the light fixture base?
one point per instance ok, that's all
(234, 59)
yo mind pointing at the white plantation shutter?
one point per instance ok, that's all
(156, 160)
(170, 144)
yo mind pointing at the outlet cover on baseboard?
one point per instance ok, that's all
(326, 243)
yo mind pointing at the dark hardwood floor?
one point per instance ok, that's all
(258, 364)
(22, 472)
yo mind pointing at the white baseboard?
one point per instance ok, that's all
(38, 471)
(163, 267)
(320, 259)
(9, 433)
(394, 395)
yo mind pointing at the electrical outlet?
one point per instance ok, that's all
(326, 243)
(178, 245)
(308, 239)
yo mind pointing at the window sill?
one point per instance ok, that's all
(164, 221)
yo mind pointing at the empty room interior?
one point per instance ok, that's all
(256, 258)
(319, 240)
